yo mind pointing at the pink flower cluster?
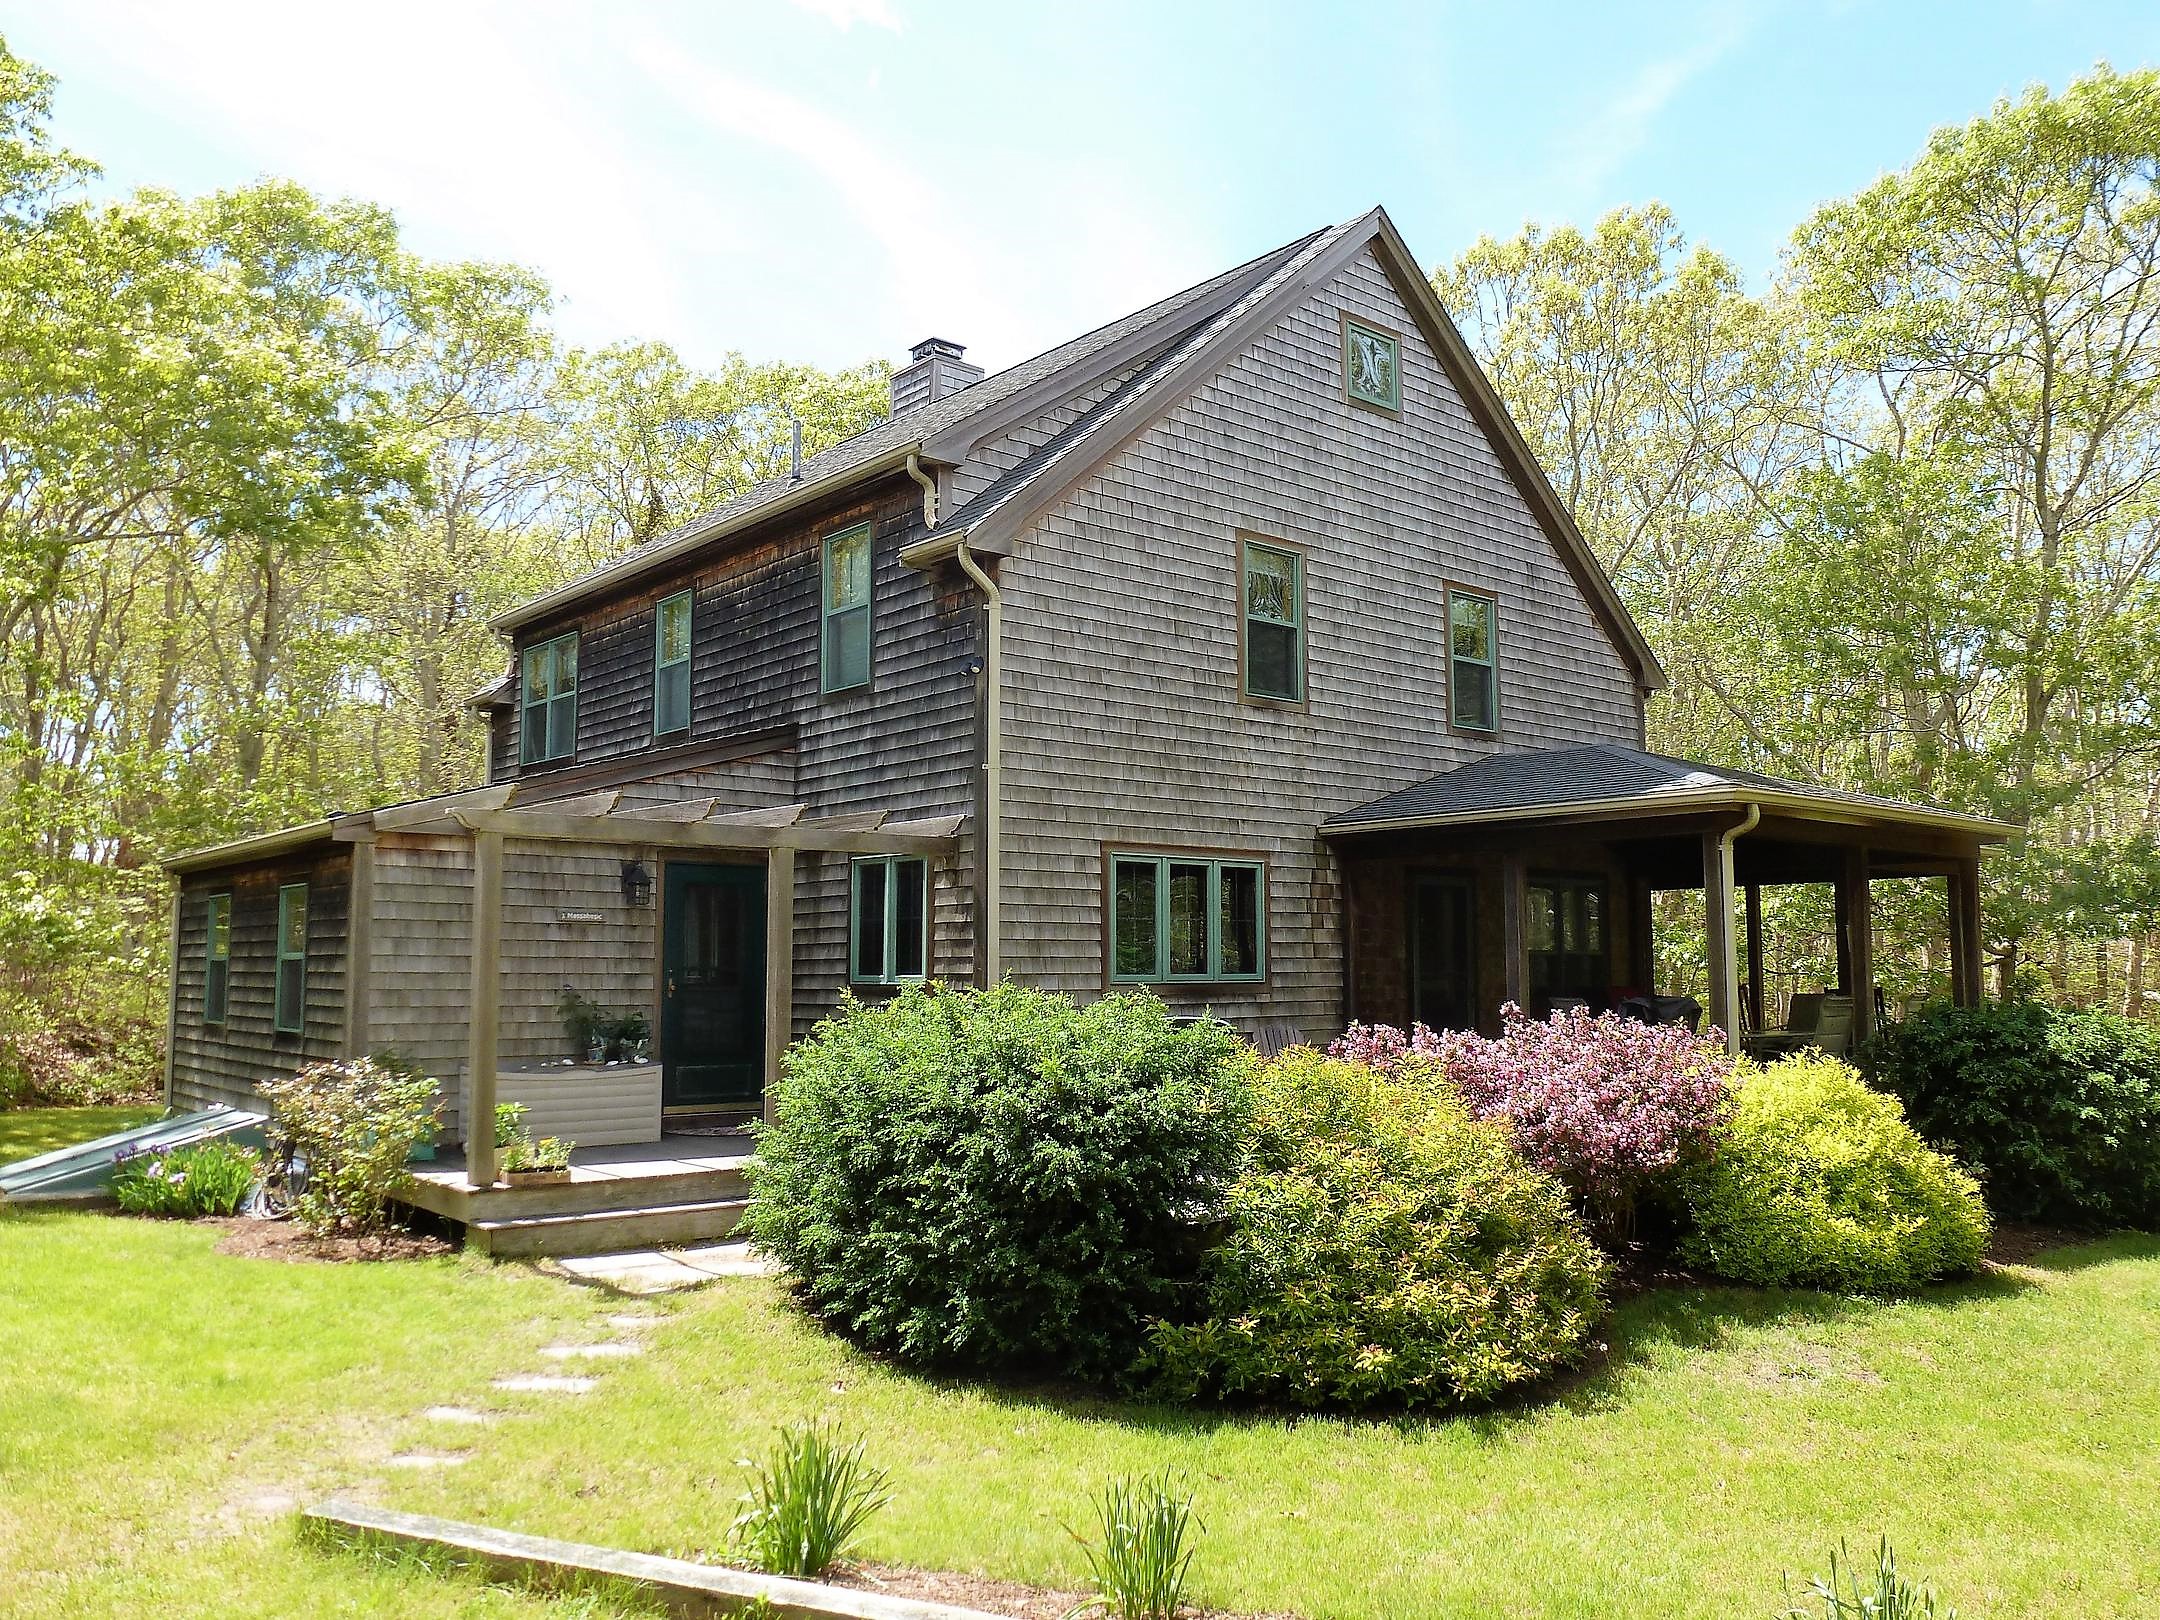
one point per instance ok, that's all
(1603, 1102)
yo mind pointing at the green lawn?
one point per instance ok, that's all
(159, 1403)
(27, 1132)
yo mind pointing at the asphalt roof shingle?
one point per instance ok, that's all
(1548, 778)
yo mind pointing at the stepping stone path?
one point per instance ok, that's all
(547, 1384)
(592, 1352)
(428, 1459)
(457, 1414)
(662, 1271)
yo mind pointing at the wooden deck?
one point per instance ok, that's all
(680, 1189)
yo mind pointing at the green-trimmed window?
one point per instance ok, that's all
(671, 666)
(845, 632)
(290, 1013)
(1274, 622)
(1372, 365)
(889, 919)
(1181, 917)
(1473, 621)
(217, 959)
(549, 696)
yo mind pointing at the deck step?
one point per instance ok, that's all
(579, 1197)
(607, 1231)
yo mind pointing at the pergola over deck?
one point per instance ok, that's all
(1663, 823)
(689, 826)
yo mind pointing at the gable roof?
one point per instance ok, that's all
(1550, 782)
(942, 424)
(1192, 335)
(992, 520)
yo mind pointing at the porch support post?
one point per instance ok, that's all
(1754, 956)
(1514, 931)
(1859, 931)
(1967, 980)
(360, 946)
(1642, 936)
(779, 966)
(481, 1056)
(1717, 916)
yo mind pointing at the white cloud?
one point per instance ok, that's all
(845, 14)
(1601, 144)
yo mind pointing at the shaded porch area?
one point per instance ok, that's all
(1531, 878)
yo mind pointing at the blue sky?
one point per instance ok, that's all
(826, 180)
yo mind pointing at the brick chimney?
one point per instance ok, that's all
(935, 369)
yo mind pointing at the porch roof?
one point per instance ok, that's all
(1597, 780)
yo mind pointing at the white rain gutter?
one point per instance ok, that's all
(987, 910)
(1730, 967)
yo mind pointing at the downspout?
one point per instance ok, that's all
(1730, 967)
(988, 915)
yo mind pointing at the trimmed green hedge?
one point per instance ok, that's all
(998, 1179)
(1820, 1183)
(2058, 1111)
(1382, 1247)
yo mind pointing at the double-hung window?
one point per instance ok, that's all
(1189, 918)
(1473, 630)
(845, 621)
(548, 691)
(671, 666)
(1274, 632)
(290, 1012)
(889, 911)
(217, 959)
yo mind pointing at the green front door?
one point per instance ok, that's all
(712, 991)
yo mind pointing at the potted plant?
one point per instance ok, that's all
(586, 1024)
(545, 1163)
(627, 1037)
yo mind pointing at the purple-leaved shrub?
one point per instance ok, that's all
(1605, 1103)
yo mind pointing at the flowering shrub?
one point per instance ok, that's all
(356, 1124)
(1383, 1247)
(1607, 1104)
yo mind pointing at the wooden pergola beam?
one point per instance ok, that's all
(545, 825)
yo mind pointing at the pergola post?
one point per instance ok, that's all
(779, 966)
(1718, 917)
(1514, 930)
(481, 1056)
(1858, 926)
(1967, 982)
(1754, 956)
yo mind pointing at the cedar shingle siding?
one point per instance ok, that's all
(222, 1063)
(1123, 719)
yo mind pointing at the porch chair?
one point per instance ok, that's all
(1802, 1017)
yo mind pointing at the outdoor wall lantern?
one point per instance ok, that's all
(636, 883)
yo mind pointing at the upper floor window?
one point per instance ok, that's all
(1372, 365)
(889, 911)
(1274, 622)
(549, 695)
(290, 1013)
(1178, 917)
(1473, 621)
(845, 633)
(671, 665)
(217, 960)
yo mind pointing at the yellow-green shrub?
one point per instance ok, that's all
(1820, 1182)
(1382, 1246)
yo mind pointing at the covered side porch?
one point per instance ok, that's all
(1533, 878)
(720, 954)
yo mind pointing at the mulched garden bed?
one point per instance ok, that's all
(2014, 1245)
(252, 1239)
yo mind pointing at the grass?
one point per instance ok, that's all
(2005, 1435)
(161, 1404)
(27, 1132)
(164, 1408)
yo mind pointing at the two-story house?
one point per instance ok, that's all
(1238, 650)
